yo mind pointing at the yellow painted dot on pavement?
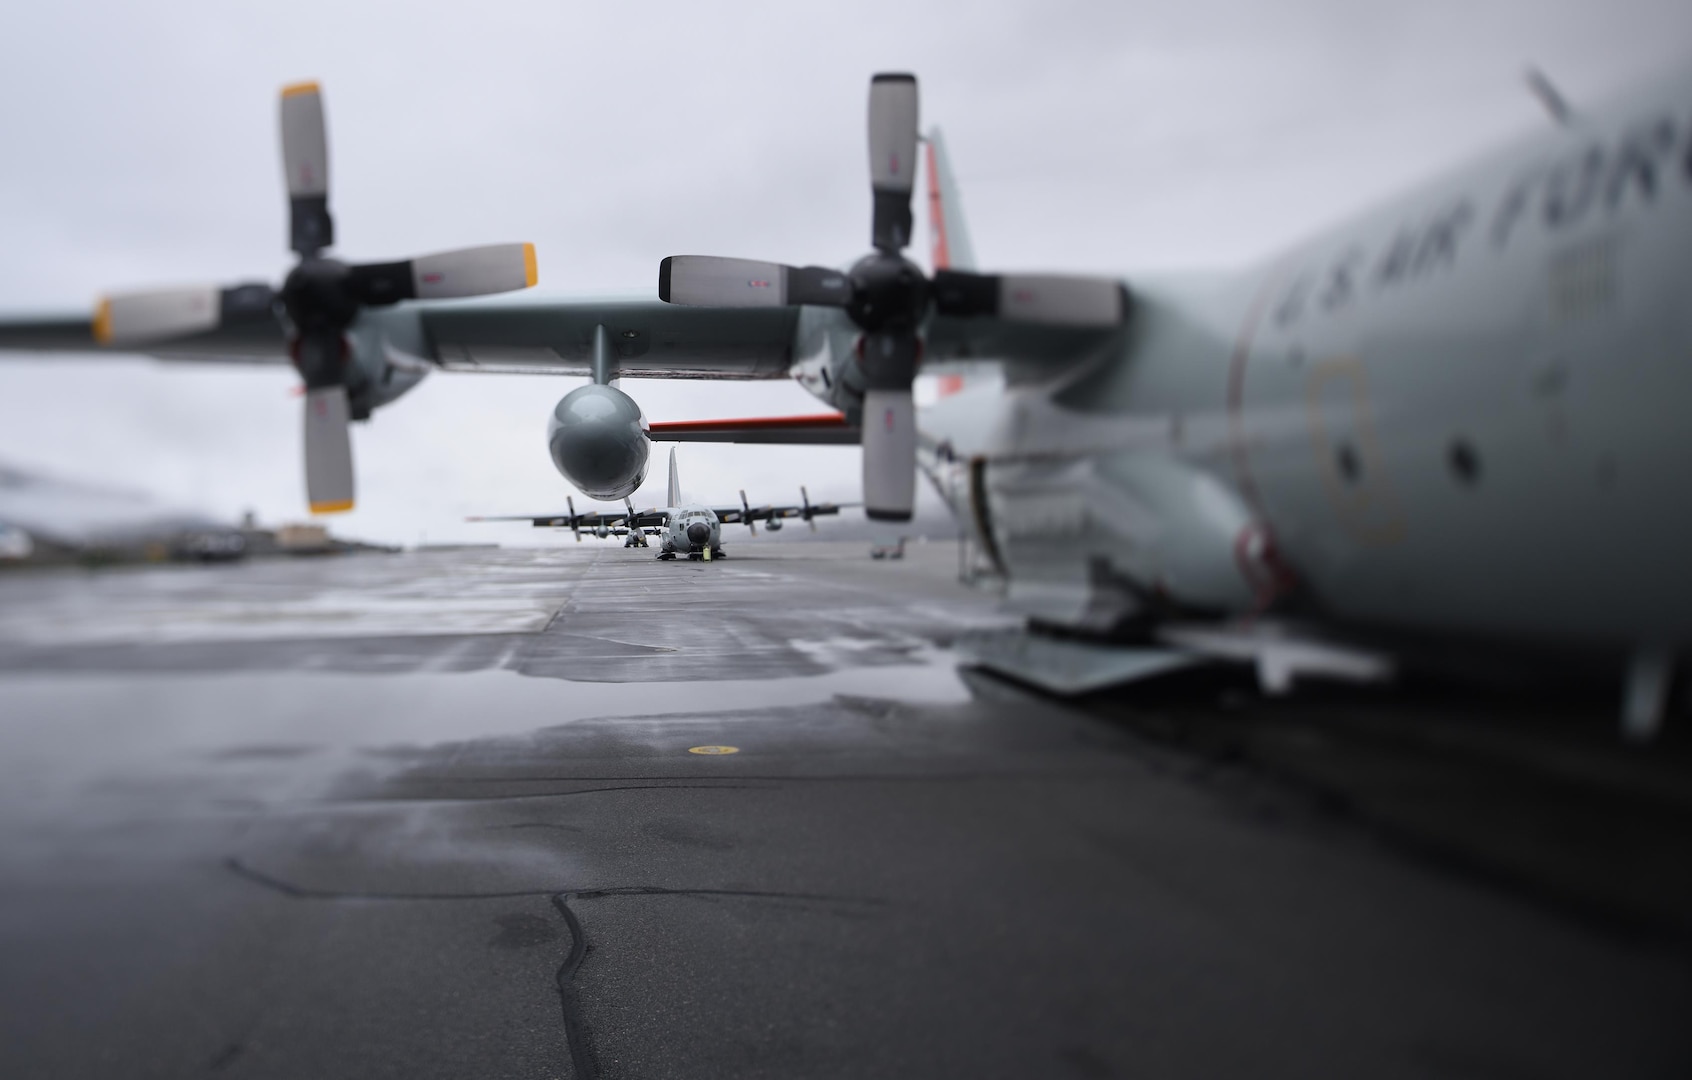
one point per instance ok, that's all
(713, 749)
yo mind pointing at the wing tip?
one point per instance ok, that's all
(531, 273)
(103, 320)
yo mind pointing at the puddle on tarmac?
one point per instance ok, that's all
(62, 737)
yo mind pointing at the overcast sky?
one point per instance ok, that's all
(141, 148)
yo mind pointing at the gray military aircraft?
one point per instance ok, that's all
(691, 529)
(1455, 417)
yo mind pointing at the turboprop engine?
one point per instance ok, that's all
(597, 437)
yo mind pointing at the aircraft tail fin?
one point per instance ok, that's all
(952, 249)
(674, 494)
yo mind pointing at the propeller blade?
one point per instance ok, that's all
(477, 271)
(708, 280)
(747, 513)
(328, 450)
(805, 498)
(132, 318)
(889, 454)
(712, 281)
(305, 164)
(892, 157)
(575, 522)
(1047, 299)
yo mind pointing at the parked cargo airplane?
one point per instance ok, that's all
(691, 529)
(1456, 417)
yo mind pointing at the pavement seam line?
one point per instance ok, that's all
(305, 892)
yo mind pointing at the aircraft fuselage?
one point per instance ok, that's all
(692, 531)
(1462, 412)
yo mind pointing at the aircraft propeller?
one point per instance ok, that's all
(319, 299)
(889, 298)
(806, 512)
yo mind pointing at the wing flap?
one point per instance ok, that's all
(651, 339)
(822, 429)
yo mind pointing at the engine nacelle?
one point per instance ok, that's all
(597, 437)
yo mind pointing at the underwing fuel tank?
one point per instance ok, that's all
(597, 438)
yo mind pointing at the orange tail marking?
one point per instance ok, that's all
(937, 213)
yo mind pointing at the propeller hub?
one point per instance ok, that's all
(317, 297)
(889, 293)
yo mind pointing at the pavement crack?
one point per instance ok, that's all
(241, 869)
(578, 1039)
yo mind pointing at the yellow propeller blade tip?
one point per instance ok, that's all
(530, 274)
(307, 87)
(332, 507)
(103, 320)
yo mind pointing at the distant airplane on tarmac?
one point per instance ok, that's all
(691, 529)
(1456, 420)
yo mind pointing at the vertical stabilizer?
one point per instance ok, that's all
(674, 495)
(952, 249)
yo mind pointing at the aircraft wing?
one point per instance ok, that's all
(549, 336)
(651, 339)
(591, 519)
(743, 515)
(255, 338)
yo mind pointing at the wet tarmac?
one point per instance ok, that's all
(445, 814)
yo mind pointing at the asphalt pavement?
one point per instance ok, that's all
(566, 813)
